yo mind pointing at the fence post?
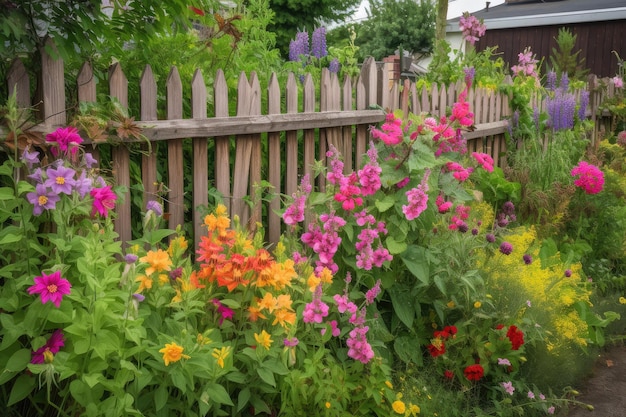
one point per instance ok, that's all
(175, 152)
(222, 143)
(148, 111)
(274, 162)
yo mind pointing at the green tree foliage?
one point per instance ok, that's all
(291, 16)
(395, 24)
(564, 59)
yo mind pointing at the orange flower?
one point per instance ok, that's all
(233, 273)
(159, 261)
(268, 302)
(172, 353)
(254, 313)
(313, 282)
(284, 317)
(284, 273)
(284, 301)
(145, 283)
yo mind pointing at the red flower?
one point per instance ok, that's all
(196, 10)
(448, 374)
(474, 372)
(437, 348)
(516, 336)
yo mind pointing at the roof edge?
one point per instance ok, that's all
(616, 13)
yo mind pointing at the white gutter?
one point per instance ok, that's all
(582, 16)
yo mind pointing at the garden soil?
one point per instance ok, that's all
(605, 388)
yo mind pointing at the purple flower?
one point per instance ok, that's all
(470, 72)
(506, 248)
(291, 342)
(490, 237)
(582, 107)
(130, 258)
(334, 66)
(527, 259)
(551, 80)
(51, 288)
(299, 47)
(155, 207)
(90, 161)
(61, 179)
(42, 199)
(504, 361)
(139, 297)
(30, 158)
(568, 273)
(474, 231)
(83, 185)
(318, 43)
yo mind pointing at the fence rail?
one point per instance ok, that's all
(295, 130)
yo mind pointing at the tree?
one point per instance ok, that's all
(440, 25)
(397, 24)
(306, 15)
(564, 59)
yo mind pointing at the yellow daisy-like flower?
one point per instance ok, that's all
(398, 406)
(221, 355)
(477, 304)
(172, 353)
(145, 283)
(159, 261)
(622, 300)
(264, 339)
(414, 409)
(327, 404)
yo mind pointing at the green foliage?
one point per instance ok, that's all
(563, 58)
(394, 25)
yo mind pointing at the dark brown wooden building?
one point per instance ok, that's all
(600, 26)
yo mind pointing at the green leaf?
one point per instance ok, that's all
(414, 259)
(395, 247)
(160, 398)
(6, 193)
(8, 238)
(18, 361)
(267, 376)
(385, 204)
(23, 386)
(218, 394)
(402, 302)
(243, 398)
(406, 347)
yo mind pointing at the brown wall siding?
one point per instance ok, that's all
(595, 39)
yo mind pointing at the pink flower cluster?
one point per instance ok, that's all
(325, 241)
(527, 64)
(457, 221)
(316, 310)
(618, 82)
(590, 177)
(458, 171)
(390, 132)
(367, 256)
(358, 346)
(417, 199)
(443, 206)
(294, 213)
(65, 141)
(471, 27)
(448, 139)
(485, 160)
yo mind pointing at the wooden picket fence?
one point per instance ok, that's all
(295, 134)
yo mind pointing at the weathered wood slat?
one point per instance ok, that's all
(175, 164)
(148, 112)
(52, 109)
(86, 89)
(200, 157)
(222, 142)
(18, 83)
(118, 88)
(243, 153)
(274, 162)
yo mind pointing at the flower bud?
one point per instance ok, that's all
(48, 356)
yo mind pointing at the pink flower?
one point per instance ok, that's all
(53, 345)
(103, 200)
(590, 177)
(390, 132)
(618, 82)
(417, 199)
(51, 288)
(65, 140)
(508, 387)
(485, 160)
(358, 346)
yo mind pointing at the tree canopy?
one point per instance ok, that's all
(395, 24)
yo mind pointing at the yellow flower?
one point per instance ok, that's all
(477, 304)
(220, 355)
(389, 384)
(398, 406)
(450, 304)
(414, 409)
(264, 339)
(312, 282)
(622, 300)
(159, 261)
(172, 353)
(326, 276)
(163, 279)
(177, 246)
(327, 404)
(145, 283)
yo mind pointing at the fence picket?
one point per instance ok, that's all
(274, 161)
(175, 165)
(18, 83)
(148, 112)
(222, 143)
(200, 156)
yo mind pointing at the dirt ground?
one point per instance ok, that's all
(605, 389)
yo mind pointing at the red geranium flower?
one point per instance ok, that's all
(474, 372)
(516, 336)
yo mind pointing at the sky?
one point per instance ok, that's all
(455, 7)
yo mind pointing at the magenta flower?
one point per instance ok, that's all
(590, 177)
(60, 180)
(291, 342)
(53, 345)
(506, 248)
(485, 160)
(51, 287)
(390, 132)
(103, 200)
(65, 141)
(42, 199)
